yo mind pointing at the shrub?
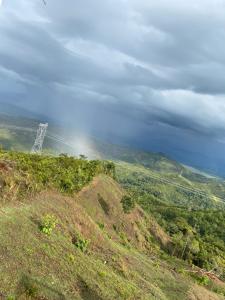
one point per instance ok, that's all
(48, 223)
(110, 169)
(101, 225)
(128, 204)
(80, 242)
(102, 274)
(201, 279)
(204, 280)
(71, 258)
(29, 287)
(67, 174)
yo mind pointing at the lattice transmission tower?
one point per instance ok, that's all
(41, 133)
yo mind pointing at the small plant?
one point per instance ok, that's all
(71, 258)
(48, 223)
(11, 298)
(80, 242)
(29, 287)
(128, 204)
(102, 274)
(115, 227)
(218, 289)
(202, 280)
(156, 264)
(124, 240)
(109, 236)
(101, 225)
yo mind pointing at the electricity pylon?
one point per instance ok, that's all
(41, 132)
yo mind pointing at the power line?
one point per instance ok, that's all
(159, 178)
(41, 133)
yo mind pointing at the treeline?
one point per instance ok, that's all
(32, 172)
(198, 236)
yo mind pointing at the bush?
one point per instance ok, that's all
(101, 225)
(80, 242)
(201, 279)
(128, 204)
(29, 287)
(48, 223)
(204, 280)
(67, 174)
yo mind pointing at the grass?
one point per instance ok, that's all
(34, 252)
(122, 260)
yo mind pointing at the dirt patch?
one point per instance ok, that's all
(86, 292)
(200, 293)
(5, 166)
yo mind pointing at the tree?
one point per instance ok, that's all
(128, 204)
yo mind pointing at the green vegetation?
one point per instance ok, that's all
(101, 225)
(128, 204)
(146, 181)
(80, 242)
(196, 224)
(67, 174)
(69, 231)
(48, 223)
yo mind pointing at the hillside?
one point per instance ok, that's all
(184, 189)
(191, 211)
(65, 234)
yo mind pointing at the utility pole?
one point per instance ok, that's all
(41, 132)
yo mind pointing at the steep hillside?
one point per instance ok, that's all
(68, 236)
(190, 211)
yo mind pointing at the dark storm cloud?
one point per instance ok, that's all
(139, 61)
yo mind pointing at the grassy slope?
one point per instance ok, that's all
(123, 260)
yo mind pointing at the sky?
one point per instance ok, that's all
(150, 74)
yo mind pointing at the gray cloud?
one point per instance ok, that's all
(130, 62)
